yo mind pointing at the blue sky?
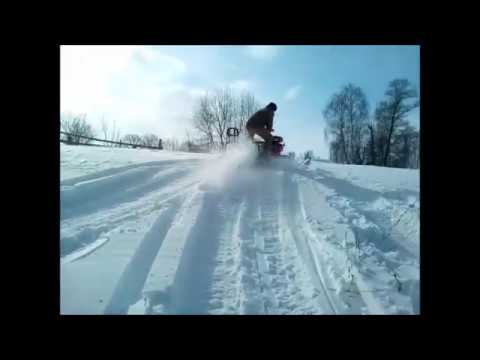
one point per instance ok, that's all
(155, 88)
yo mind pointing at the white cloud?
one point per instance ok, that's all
(237, 87)
(85, 72)
(292, 93)
(262, 52)
(167, 67)
(241, 85)
(137, 86)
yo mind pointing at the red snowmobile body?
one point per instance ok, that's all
(277, 146)
(276, 149)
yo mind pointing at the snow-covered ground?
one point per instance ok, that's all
(156, 232)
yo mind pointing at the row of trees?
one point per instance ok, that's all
(110, 133)
(356, 136)
(78, 128)
(218, 111)
(147, 139)
(384, 138)
(214, 114)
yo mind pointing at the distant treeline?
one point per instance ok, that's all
(355, 135)
(383, 138)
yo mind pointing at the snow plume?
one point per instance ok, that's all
(224, 169)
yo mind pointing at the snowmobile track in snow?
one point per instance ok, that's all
(248, 241)
(130, 285)
(250, 215)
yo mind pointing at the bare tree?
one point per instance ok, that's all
(104, 129)
(346, 114)
(189, 142)
(357, 114)
(115, 135)
(133, 139)
(76, 126)
(334, 150)
(364, 150)
(223, 106)
(246, 107)
(166, 144)
(171, 144)
(391, 113)
(334, 114)
(204, 120)
(150, 140)
(371, 145)
(415, 153)
(110, 135)
(215, 113)
(404, 148)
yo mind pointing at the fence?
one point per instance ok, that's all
(120, 143)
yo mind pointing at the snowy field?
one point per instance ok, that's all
(156, 232)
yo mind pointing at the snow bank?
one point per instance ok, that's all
(78, 161)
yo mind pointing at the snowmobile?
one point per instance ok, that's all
(275, 150)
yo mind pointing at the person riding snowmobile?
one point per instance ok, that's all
(261, 124)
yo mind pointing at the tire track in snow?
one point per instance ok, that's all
(372, 259)
(226, 289)
(195, 277)
(129, 288)
(117, 171)
(87, 250)
(102, 193)
(331, 255)
(184, 271)
(258, 271)
(271, 277)
(219, 272)
(269, 255)
(250, 295)
(294, 205)
(253, 295)
(88, 282)
(290, 279)
(163, 288)
(238, 291)
(88, 228)
(296, 268)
